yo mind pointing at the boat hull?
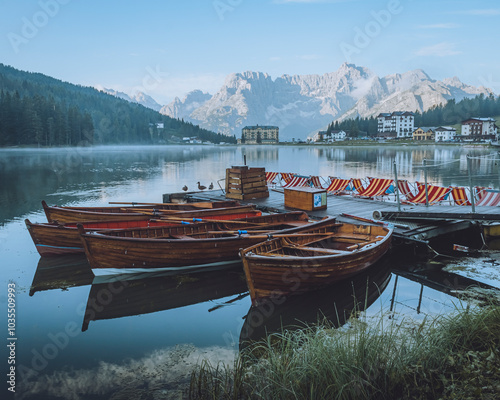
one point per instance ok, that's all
(179, 246)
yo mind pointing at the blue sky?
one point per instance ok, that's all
(167, 48)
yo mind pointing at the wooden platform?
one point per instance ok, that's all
(412, 223)
(355, 206)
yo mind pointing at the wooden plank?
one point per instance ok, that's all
(247, 177)
(255, 189)
(249, 174)
(249, 185)
(248, 196)
(255, 182)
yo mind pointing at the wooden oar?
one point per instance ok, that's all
(242, 232)
(239, 297)
(194, 219)
(133, 203)
(149, 211)
(199, 204)
(359, 245)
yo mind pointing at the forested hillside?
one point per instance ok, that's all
(39, 110)
(450, 113)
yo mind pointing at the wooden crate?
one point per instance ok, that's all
(305, 198)
(244, 183)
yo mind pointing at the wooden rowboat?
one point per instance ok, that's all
(284, 266)
(182, 247)
(56, 238)
(139, 212)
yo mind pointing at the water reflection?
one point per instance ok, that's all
(334, 303)
(100, 174)
(434, 277)
(149, 292)
(65, 176)
(62, 272)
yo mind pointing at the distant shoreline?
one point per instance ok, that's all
(353, 143)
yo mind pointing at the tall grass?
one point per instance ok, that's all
(454, 356)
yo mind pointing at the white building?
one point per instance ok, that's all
(333, 136)
(398, 124)
(338, 135)
(445, 134)
(479, 129)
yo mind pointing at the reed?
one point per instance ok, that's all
(453, 356)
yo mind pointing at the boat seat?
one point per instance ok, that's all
(319, 250)
(183, 237)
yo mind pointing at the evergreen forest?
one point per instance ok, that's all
(37, 110)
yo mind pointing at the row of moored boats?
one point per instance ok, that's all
(282, 253)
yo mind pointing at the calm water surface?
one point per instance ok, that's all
(74, 332)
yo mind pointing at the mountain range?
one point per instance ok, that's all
(138, 97)
(303, 104)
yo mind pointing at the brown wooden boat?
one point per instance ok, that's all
(56, 238)
(291, 265)
(139, 211)
(194, 246)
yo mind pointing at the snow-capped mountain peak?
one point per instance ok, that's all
(301, 104)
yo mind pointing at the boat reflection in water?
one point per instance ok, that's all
(61, 273)
(133, 294)
(334, 303)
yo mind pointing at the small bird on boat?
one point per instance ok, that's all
(201, 187)
(185, 188)
(211, 186)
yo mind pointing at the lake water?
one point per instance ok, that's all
(78, 338)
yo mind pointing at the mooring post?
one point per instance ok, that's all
(469, 172)
(425, 183)
(244, 159)
(396, 185)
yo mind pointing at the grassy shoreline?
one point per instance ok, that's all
(450, 357)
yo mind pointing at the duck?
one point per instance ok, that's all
(201, 187)
(211, 186)
(185, 188)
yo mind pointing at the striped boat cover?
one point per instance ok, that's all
(436, 194)
(490, 198)
(358, 184)
(297, 181)
(316, 182)
(377, 187)
(459, 196)
(480, 192)
(271, 176)
(404, 188)
(337, 185)
(286, 176)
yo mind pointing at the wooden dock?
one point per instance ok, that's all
(413, 223)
